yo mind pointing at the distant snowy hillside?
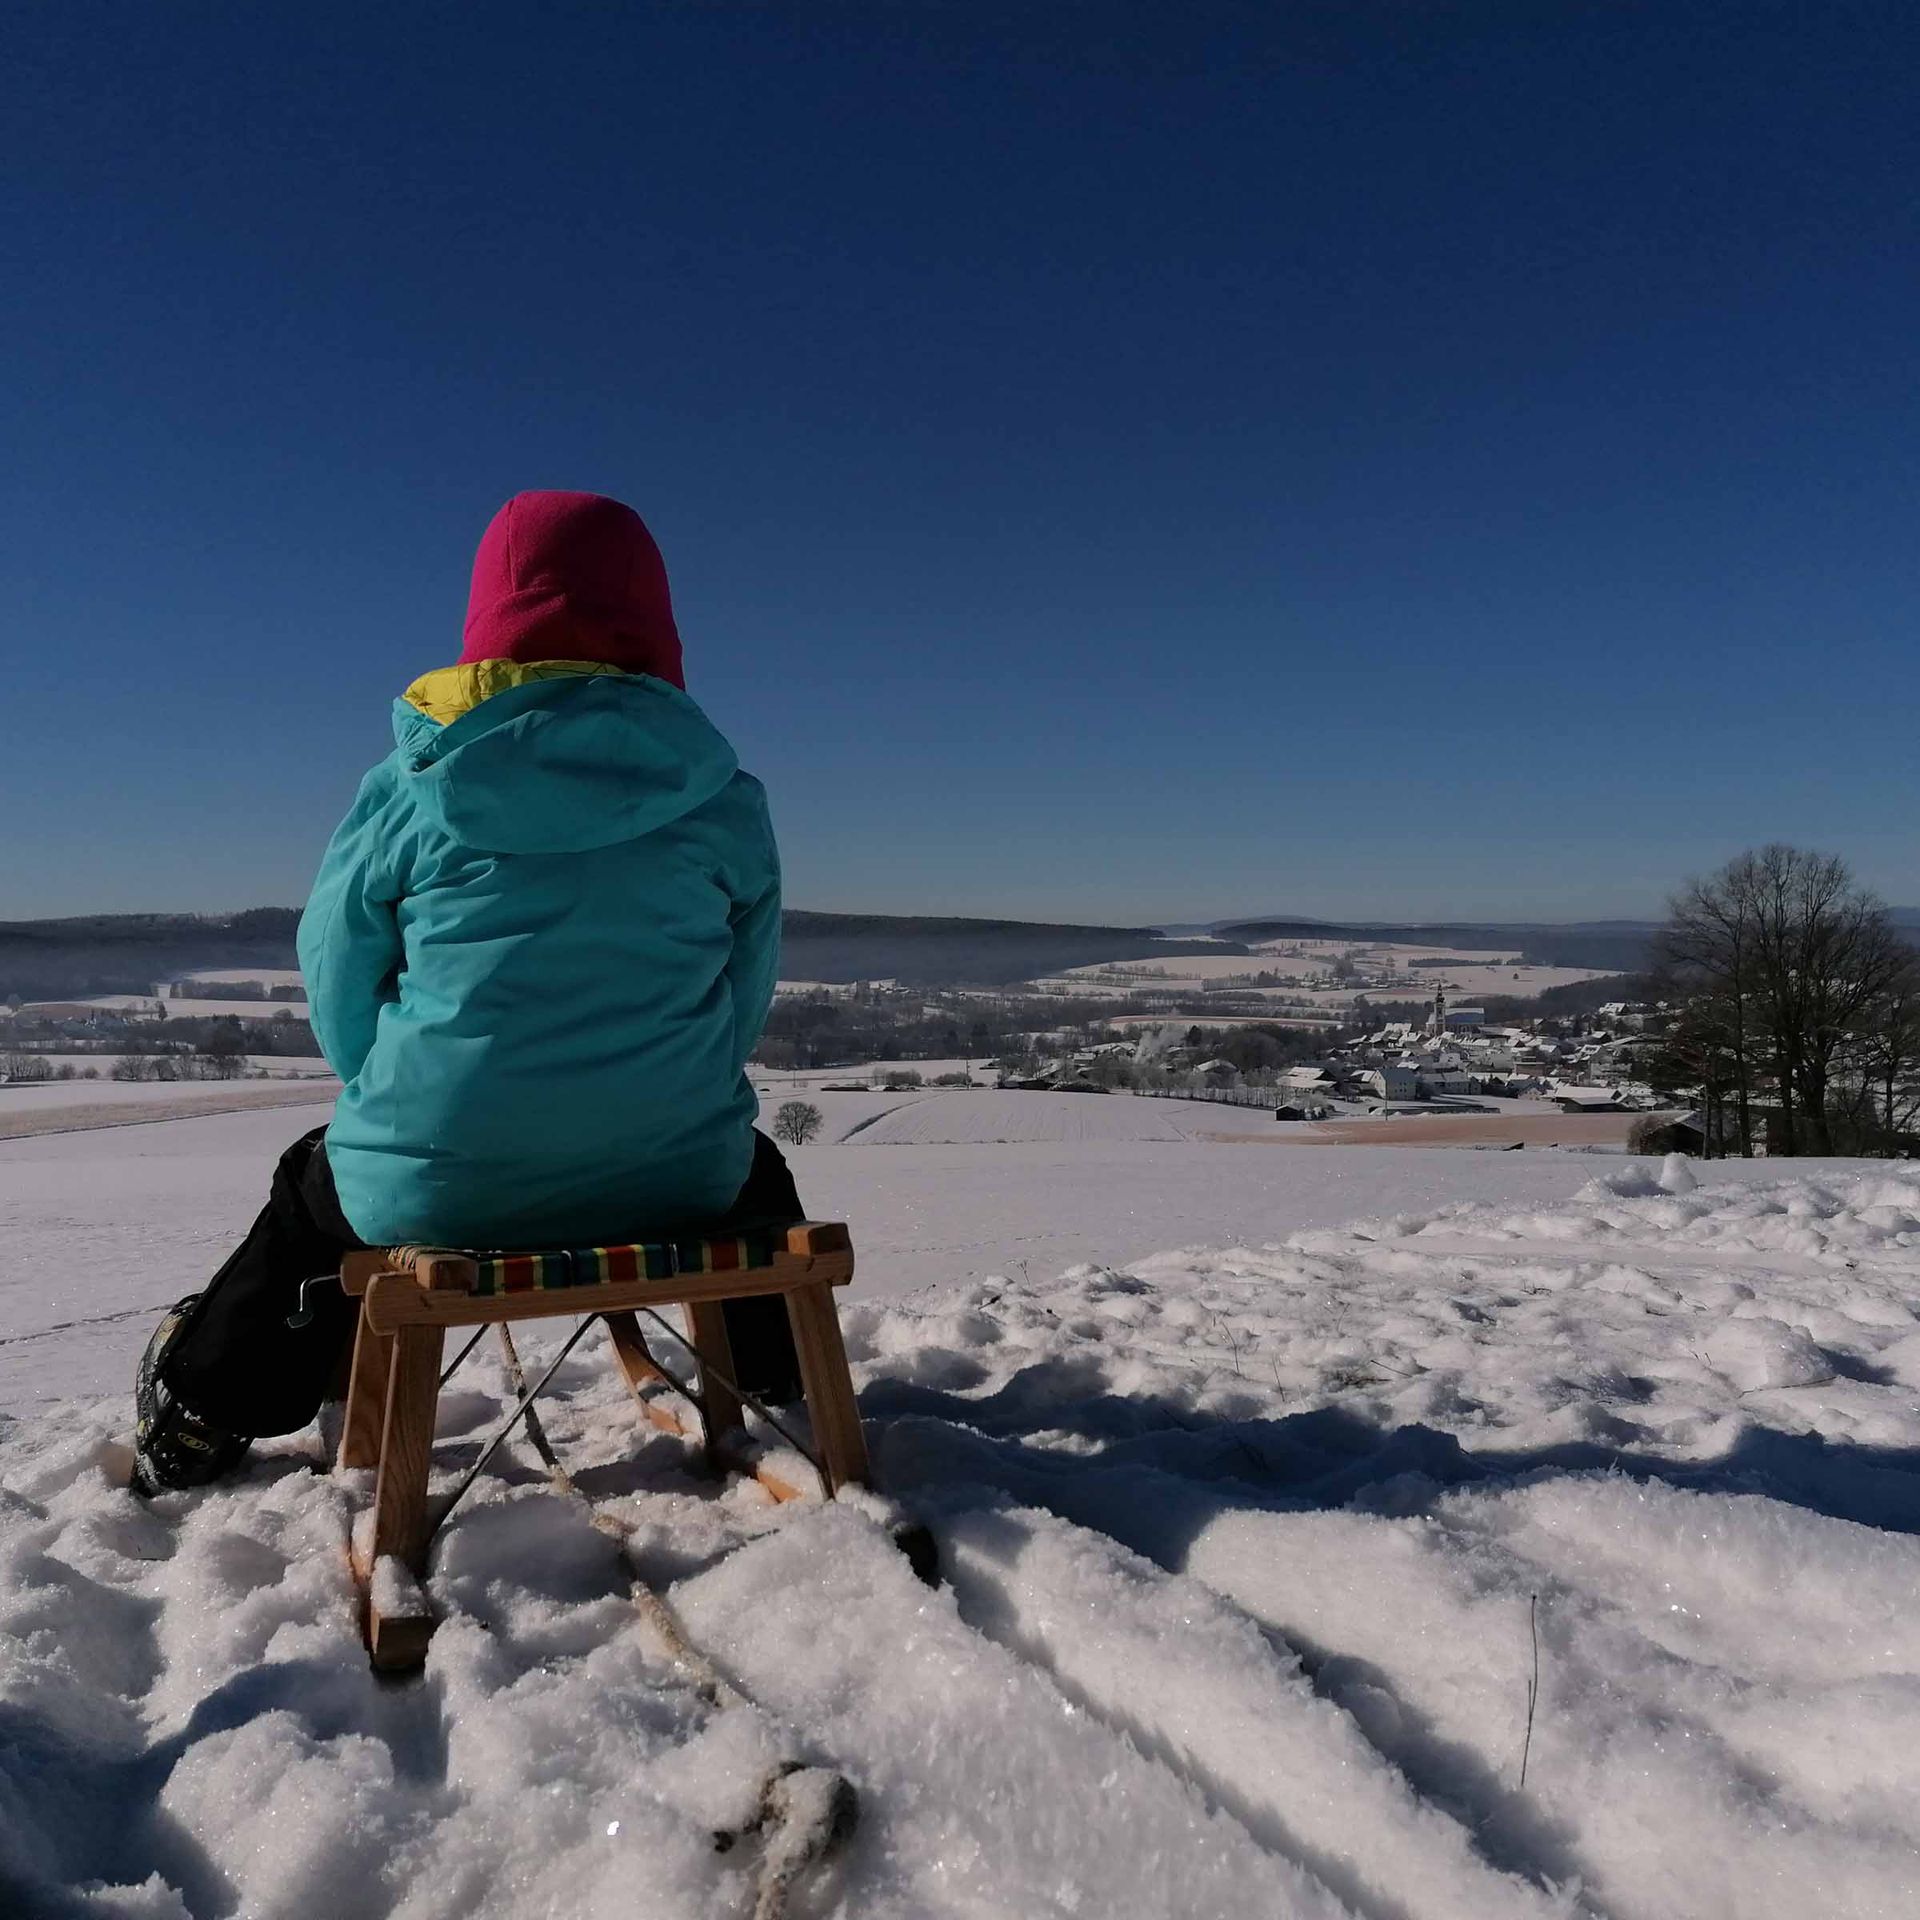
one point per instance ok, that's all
(1246, 1552)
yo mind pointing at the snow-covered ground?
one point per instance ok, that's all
(1256, 1478)
(100, 1229)
(986, 1117)
(1387, 971)
(941, 1116)
(990, 1119)
(69, 1106)
(242, 976)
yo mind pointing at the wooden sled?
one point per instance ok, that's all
(410, 1296)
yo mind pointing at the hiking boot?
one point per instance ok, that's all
(173, 1447)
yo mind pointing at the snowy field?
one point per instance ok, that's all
(993, 1119)
(73, 1106)
(1386, 952)
(83, 1278)
(1388, 971)
(949, 1117)
(1256, 1480)
(245, 976)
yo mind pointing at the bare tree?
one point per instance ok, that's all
(796, 1122)
(1829, 955)
(1705, 959)
(1881, 1082)
(224, 1050)
(1697, 1054)
(1793, 959)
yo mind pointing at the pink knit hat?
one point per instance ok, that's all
(572, 576)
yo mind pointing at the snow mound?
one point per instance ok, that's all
(1758, 1353)
(1677, 1175)
(1247, 1553)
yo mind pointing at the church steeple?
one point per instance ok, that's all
(1437, 1019)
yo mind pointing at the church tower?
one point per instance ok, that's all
(1437, 1019)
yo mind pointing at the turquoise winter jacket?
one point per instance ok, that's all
(540, 949)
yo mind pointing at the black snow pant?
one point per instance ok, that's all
(237, 1364)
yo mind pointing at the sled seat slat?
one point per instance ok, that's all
(483, 1274)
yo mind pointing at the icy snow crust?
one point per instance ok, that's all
(1242, 1549)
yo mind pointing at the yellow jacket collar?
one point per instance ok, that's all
(447, 692)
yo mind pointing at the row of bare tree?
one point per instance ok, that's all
(1800, 1006)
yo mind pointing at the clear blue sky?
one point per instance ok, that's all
(1115, 461)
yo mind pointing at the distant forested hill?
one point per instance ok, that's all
(128, 953)
(942, 952)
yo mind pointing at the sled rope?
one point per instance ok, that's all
(707, 1679)
(805, 1812)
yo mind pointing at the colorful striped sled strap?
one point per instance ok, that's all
(606, 1266)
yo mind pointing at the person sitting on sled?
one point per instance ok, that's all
(542, 944)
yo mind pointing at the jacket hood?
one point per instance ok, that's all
(572, 576)
(557, 760)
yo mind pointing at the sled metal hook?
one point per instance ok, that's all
(302, 1315)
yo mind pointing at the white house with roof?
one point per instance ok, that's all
(1394, 1080)
(1303, 1080)
(1577, 1099)
(1215, 1073)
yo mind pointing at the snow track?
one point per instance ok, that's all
(1005, 1802)
(1242, 1548)
(949, 1118)
(1193, 1682)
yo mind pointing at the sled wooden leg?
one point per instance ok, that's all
(366, 1397)
(707, 1329)
(829, 1388)
(397, 1645)
(400, 1529)
(400, 1492)
(406, 1438)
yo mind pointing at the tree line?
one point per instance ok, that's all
(1799, 1008)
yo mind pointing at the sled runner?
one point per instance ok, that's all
(410, 1296)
